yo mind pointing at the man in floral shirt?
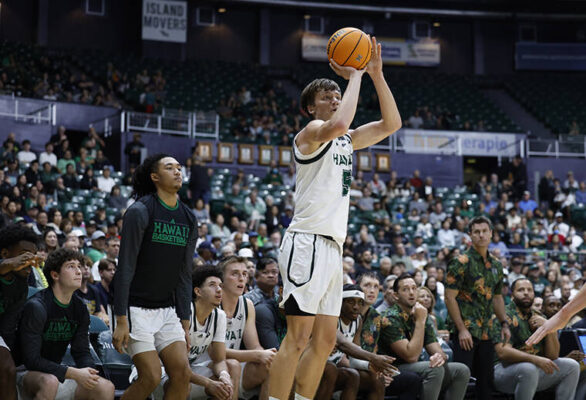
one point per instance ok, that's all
(473, 288)
(408, 384)
(524, 370)
(410, 330)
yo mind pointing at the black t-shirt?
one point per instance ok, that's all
(156, 253)
(91, 299)
(46, 329)
(13, 295)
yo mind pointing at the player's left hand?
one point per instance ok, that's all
(375, 65)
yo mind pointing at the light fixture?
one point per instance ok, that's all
(221, 10)
(436, 24)
(306, 16)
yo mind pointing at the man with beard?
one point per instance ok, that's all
(524, 370)
(410, 330)
(408, 384)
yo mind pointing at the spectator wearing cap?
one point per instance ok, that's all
(559, 225)
(527, 203)
(96, 251)
(207, 252)
(267, 279)
(112, 249)
(515, 272)
(535, 276)
(286, 216)
(419, 258)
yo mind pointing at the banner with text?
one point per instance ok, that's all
(164, 20)
(423, 53)
(487, 144)
(551, 56)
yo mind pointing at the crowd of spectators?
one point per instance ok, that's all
(437, 118)
(532, 238)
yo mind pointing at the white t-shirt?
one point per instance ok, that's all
(105, 184)
(46, 157)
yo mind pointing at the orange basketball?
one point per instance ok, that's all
(350, 47)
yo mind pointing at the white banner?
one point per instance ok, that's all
(487, 144)
(396, 51)
(164, 20)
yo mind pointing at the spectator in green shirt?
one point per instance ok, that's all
(96, 251)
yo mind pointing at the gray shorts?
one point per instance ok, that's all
(66, 389)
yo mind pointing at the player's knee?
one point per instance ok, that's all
(105, 390)
(233, 367)
(298, 341)
(330, 373)
(349, 376)
(7, 371)
(47, 384)
(150, 378)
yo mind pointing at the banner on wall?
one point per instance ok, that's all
(486, 144)
(164, 20)
(550, 56)
(423, 53)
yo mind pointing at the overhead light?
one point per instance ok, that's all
(436, 24)
(306, 16)
(221, 10)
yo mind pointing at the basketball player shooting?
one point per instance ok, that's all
(311, 256)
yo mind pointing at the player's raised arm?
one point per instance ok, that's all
(374, 132)
(331, 112)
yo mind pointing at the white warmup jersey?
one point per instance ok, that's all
(235, 325)
(201, 336)
(322, 189)
(349, 331)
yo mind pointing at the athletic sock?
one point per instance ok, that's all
(272, 398)
(299, 397)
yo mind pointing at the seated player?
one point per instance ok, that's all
(89, 293)
(53, 319)
(358, 370)
(241, 329)
(407, 385)
(212, 376)
(17, 251)
(524, 370)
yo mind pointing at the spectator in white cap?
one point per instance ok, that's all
(559, 225)
(527, 203)
(419, 259)
(96, 251)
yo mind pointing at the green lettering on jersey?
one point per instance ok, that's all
(346, 181)
(170, 233)
(60, 330)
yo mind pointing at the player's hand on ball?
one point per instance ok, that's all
(375, 65)
(344, 72)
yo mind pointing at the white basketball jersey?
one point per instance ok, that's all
(201, 336)
(348, 331)
(235, 325)
(322, 189)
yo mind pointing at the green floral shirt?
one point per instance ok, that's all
(476, 282)
(520, 330)
(401, 326)
(372, 325)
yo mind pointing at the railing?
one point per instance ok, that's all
(576, 147)
(30, 111)
(106, 126)
(175, 122)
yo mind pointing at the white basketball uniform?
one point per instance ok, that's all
(201, 336)
(310, 260)
(348, 331)
(234, 334)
